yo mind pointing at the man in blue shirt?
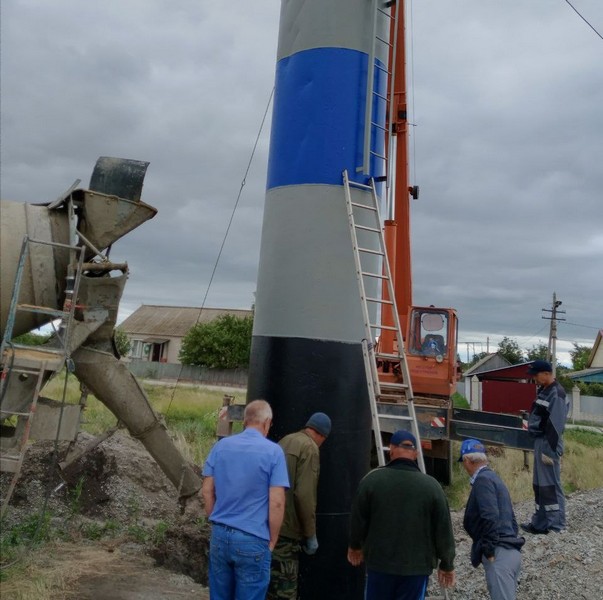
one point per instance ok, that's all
(245, 477)
(490, 521)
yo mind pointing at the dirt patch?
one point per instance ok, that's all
(119, 494)
(130, 576)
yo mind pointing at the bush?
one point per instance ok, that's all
(224, 343)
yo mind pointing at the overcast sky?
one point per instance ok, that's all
(507, 147)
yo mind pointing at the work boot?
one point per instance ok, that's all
(529, 528)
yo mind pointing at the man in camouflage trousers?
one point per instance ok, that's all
(298, 531)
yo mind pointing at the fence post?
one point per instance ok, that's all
(576, 408)
(224, 427)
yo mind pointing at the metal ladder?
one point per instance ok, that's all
(24, 362)
(381, 10)
(378, 390)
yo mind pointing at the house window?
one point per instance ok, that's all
(136, 350)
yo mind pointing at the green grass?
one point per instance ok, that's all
(191, 414)
(581, 468)
(459, 401)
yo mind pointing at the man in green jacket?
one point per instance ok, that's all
(299, 525)
(401, 528)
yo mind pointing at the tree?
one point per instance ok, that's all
(122, 341)
(224, 343)
(538, 352)
(580, 356)
(510, 349)
(476, 358)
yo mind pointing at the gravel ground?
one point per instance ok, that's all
(122, 482)
(566, 566)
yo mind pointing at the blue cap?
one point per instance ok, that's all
(540, 366)
(470, 446)
(321, 423)
(402, 436)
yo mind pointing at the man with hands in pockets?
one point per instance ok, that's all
(299, 525)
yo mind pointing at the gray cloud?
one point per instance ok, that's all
(507, 145)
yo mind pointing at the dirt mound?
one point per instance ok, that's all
(116, 483)
(116, 480)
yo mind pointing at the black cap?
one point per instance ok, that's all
(540, 366)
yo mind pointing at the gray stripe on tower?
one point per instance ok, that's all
(327, 24)
(307, 286)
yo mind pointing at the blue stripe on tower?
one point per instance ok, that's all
(318, 118)
(306, 354)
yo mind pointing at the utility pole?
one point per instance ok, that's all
(552, 351)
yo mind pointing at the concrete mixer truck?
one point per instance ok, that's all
(55, 268)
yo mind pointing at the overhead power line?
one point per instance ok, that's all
(576, 11)
(580, 325)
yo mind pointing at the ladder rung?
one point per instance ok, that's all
(369, 251)
(385, 13)
(382, 68)
(378, 300)
(382, 40)
(364, 206)
(33, 349)
(397, 417)
(55, 244)
(11, 413)
(381, 156)
(365, 228)
(393, 386)
(377, 275)
(385, 327)
(362, 186)
(389, 356)
(44, 310)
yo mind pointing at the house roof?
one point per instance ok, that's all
(585, 374)
(511, 372)
(595, 358)
(173, 321)
(482, 364)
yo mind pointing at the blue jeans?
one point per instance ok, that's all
(384, 586)
(239, 565)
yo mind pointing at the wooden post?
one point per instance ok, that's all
(224, 427)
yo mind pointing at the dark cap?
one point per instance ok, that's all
(540, 366)
(321, 423)
(471, 446)
(403, 438)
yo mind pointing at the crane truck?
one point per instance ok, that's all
(430, 333)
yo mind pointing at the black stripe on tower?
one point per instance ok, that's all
(298, 377)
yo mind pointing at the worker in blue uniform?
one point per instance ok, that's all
(546, 424)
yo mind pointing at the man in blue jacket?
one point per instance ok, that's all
(490, 521)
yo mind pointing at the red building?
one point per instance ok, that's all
(507, 390)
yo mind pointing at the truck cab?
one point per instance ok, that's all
(431, 352)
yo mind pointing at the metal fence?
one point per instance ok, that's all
(172, 371)
(591, 409)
